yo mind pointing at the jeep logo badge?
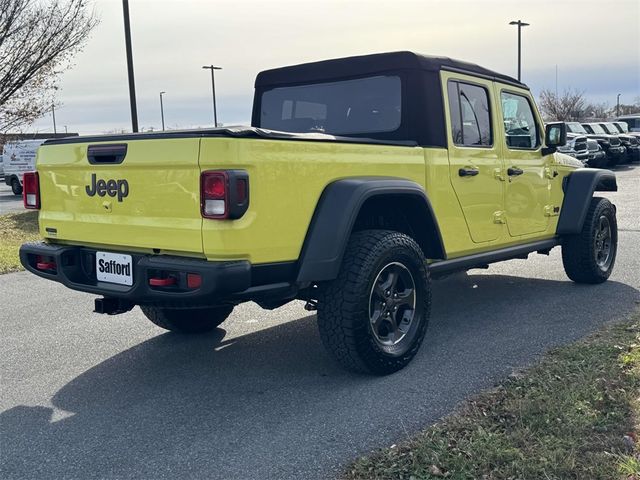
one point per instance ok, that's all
(108, 187)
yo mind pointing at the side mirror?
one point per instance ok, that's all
(555, 135)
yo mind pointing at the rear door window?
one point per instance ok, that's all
(470, 115)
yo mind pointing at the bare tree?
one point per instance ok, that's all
(37, 43)
(598, 111)
(567, 106)
(626, 109)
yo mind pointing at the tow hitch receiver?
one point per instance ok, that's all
(112, 306)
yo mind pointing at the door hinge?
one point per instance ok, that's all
(499, 217)
(550, 173)
(499, 174)
(551, 211)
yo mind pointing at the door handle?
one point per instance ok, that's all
(514, 171)
(468, 172)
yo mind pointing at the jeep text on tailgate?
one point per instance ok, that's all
(360, 179)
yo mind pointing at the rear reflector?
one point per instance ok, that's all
(162, 282)
(31, 190)
(46, 266)
(194, 280)
(45, 263)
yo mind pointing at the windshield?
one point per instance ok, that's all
(612, 128)
(363, 105)
(608, 128)
(597, 128)
(622, 127)
(575, 127)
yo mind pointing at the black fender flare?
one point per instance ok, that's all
(578, 190)
(335, 216)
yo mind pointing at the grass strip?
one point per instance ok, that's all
(575, 415)
(15, 229)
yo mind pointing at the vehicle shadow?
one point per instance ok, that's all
(626, 166)
(272, 404)
(9, 197)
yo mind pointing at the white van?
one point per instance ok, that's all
(19, 157)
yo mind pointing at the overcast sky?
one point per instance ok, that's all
(596, 45)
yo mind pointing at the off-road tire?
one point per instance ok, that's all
(187, 320)
(579, 251)
(16, 188)
(344, 304)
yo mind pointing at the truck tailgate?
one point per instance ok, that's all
(149, 200)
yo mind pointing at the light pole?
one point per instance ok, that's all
(213, 89)
(132, 83)
(162, 109)
(65, 129)
(618, 105)
(53, 113)
(520, 24)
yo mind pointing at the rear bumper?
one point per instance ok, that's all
(75, 268)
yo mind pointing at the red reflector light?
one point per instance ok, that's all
(31, 190)
(241, 190)
(162, 282)
(194, 280)
(46, 266)
(45, 263)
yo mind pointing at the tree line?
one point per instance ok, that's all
(572, 105)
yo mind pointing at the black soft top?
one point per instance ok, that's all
(371, 64)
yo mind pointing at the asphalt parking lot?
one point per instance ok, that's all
(9, 203)
(91, 396)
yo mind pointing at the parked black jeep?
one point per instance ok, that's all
(630, 142)
(611, 144)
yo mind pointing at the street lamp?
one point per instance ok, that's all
(132, 83)
(213, 89)
(618, 105)
(53, 114)
(520, 24)
(162, 109)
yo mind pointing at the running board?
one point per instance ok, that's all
(480, 260)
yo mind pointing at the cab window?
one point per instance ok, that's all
(470, 115)
(519, 122)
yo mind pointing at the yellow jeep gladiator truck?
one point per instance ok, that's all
(359, 180)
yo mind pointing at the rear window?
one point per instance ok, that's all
(363, 105)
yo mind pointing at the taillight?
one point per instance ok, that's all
(31, 190)
(224, 194)
(214, 195)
